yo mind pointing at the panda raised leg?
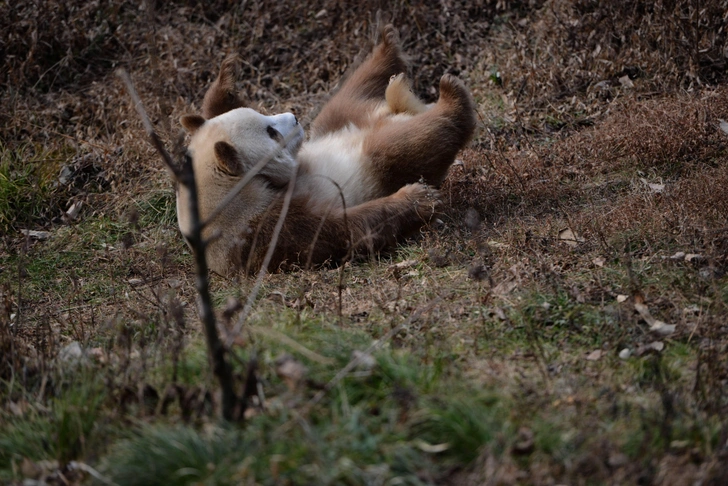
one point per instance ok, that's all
(364, 90)
(422, 147)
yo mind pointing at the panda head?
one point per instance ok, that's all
(229, 145)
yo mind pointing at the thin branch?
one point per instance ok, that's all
(266, 261)
(153, 137)
(233, 193)
(184, 173)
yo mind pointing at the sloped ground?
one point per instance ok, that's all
(590, 207)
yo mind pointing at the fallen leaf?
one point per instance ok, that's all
(621, 298)
(599, 261)
(135, 282)
(657, 188)
(723, 126)
(617, 459)
(693, 309)
(431, 448)
(693, 257)
(497, 244)
(505, 287)
(594, 355)
(74, 210)
(656, 326)
(678, 255)
(403, 265)
(525, 443)
(626, 82)
(36, 235)
(291, 371)
(655, 346)
(570, 238)
(30, 470)
(662, 328)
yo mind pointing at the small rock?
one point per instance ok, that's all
(617, 460)
(365, 361)
(625, 353)
(72, 353)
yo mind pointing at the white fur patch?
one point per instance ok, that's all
(336, 157)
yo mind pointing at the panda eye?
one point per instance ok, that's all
(274, 134)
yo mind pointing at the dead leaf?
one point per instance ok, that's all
(74, 210)
(594, 355)
(694, 257)
(678, 255)
(656, 326)
(723, 126)
(497, 244)
(36, 235)
(626, 82)
(599, 261)
(30, 470)
(404, 265)
(291, 371)
(621, 298)
(505, 287)
(398, 269)
(656, 188)
(431, 448)
(617, 459)
(655, 346)
(570, 238)
(525, 443)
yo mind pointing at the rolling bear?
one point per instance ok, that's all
(363, 180)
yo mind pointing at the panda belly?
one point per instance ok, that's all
(336, 159)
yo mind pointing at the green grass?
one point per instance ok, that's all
(28, 179)
(68, 429)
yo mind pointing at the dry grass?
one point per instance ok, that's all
(598, 117)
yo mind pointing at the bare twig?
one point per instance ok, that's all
(287, 341)
(232, 194)
(184, 174)
(153, 137)
(266, 261)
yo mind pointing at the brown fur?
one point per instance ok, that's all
(221, 96)
(403, 143)
(330, 235)
(424, 146)
(364, 88)
(400, 98)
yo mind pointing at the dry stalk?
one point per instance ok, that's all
(266, 261)
(184, 174)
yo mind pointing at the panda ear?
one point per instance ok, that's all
(221, 97)
(228, 159)
(192, 123)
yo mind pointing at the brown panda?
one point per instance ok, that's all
(374, 143)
